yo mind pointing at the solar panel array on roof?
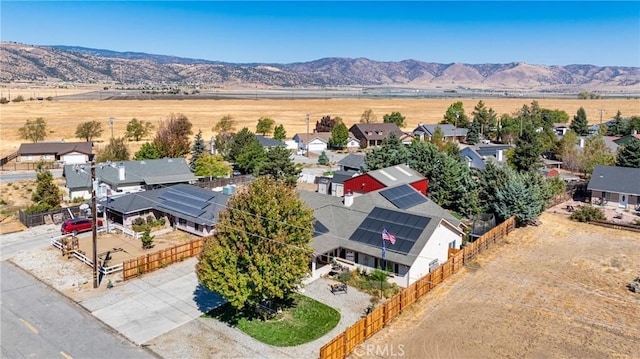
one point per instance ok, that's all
(406, 227)
(403, 196)
(186, 200)
(181, 208)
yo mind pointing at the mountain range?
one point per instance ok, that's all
(30, 63)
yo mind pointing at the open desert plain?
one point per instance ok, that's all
(64, 113)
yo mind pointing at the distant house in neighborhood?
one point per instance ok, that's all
(386, 177)
(186, 207)
(319, 141)
(65, 152)
(560, 129)
(127, 176)
(615, 186)
(352, 162)
(351, 232)
(372, 134)
(449, 132)
(624, 140)
(268, 142)
(611, 145)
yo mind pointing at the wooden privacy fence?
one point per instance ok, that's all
(160, 259)
(343, 344)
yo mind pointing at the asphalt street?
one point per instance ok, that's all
(13, 176)
(38, 322)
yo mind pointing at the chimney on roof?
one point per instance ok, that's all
(581, 142)
(634, 132)
(348, 199)
(121, 174)
(499, 155)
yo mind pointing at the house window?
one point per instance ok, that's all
(196, 227)
(606, 195)
(182, 221)
(452, 244)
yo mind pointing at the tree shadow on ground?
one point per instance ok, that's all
(207, 300)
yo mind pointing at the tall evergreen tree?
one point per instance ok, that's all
(47, 195)
(517, 197)
(239, 141)
(279, 133)
(579, 124)
(618, 127)
(391, 152)
(473, 135)
(260, 250)
(526, 156)
(251, 157)
(424, 158)
(197, 149)
(280, 165)
(629, 154)
(484, 118)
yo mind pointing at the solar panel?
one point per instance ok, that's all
(187, 201)
(406, 227)
(403, 196)
(319, 228)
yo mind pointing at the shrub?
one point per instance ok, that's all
(3, 202)
(344, 277)
(151, 220)
(37, 208)
(3, 100)
(19, 98)
(588, 213)
(161, 221)
(147, 239)
(139, 221)
(49, 98)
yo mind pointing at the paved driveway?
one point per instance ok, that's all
(155, 303)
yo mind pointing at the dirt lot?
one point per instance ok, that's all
(63, 116)
(553, 291)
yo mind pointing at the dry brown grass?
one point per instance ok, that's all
(63, 116)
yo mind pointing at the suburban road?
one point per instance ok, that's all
(38, 322)
(13, 176)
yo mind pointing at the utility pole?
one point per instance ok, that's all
(601, 110)
(111, 125)
(94, 220)
(455, 123)
(307, 141)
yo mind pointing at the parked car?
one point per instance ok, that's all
(77, 225)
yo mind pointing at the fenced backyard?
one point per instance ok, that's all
(153, 261)
(55, 217)
(343, 344)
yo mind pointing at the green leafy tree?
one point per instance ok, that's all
(451, 148)
(212, 166)
(261, 247)
(197, 149)
(47, 195)
(368, 116)
(618, 127)
(526, 156)
(224, 129)
(455, 115)
(391, 152)
(88, 130)
(629, 154)
(579, 124)
(251, 158)
(137, 130)
(633, 125)
(116, 150)
(569, 152)
(323, 159)
(339, 135)
(34, 130)
(147, 152)
(596, 152)
(438, 138)
(240, 140)
(280, 166)
(172, 138)
(508, 129)
(279, 133)
(265, 125)
(394, 117)
(551, 117)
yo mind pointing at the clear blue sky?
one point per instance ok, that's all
(548, 33)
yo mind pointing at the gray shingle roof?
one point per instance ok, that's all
(210, 205)
(615, 179)
(56, 148)
(395, 175)
(341, 222)
(269, 142)
(340, 176)
(352, 160)
(375, 131)
(448, 130)
(160, 171)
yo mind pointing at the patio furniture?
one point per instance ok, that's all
(337, 288)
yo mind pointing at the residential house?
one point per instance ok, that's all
(611, 145)
(624, 140)
(449, 132)
(268, 142)
(477, 156)
(615, 186)
(352, 162)
(560, 129)
(372, 134)
(126, 177)
(188, 208)
(319, 141)
(65, 152)
(386, 177)
(350, 233)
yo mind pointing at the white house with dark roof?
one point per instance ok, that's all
(615, 186)
(127, 176)
(350, 232)
(449, 132)
(187, 207)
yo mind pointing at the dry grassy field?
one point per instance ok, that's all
(553, 291)
(63, 116)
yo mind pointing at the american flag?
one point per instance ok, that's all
(386, 236)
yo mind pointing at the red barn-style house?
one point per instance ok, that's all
(386, 177)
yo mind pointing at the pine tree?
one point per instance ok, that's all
(579, 124)
(392, 152)
(279, 165)
(261, 247)
(323, 160)
(618, 127)
(197, 149)
(629, 154)
(279, 133)
(473, 135)
(526, 156)
(47, 195)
